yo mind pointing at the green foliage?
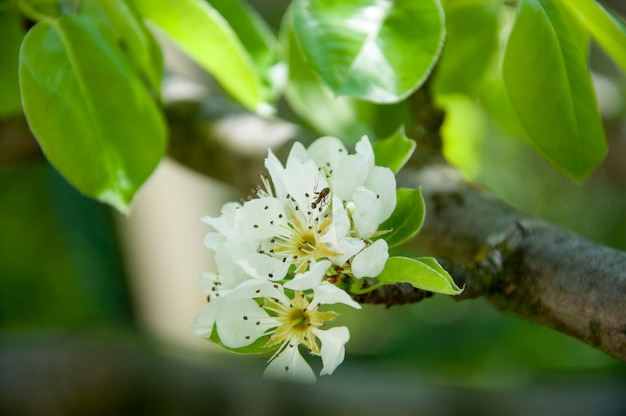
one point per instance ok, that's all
(339, 116)
(394, 151)
(366, 48)
(471, 44)
(106, 141)
(423, 273)
(607, 29)
(135, 41)
(11, 34)
(256, 37)
(207, 37)
(525, 71)
(547, 79)
(407, 218)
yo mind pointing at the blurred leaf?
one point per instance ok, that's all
(94, 119)
(471, 43)
(394, 151)
(368, 48)
(256, 37)
(133, 38)
(423, 273)
(463, 132)
(11, 33)
(407, 219)
(549, 84)
(605, 28)
(343, 117)
(200, 31)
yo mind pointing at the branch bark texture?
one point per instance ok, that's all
(523, 266)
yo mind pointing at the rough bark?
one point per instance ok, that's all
(524, 266)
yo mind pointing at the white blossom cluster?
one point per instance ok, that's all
(283, 255)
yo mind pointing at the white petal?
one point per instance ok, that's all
(231, 274)
(327, 152)
(258, 288)
(341, 222)
(348, 247)
(333, 347)
(226, 223)
(237, 322)
(206, 281)
(276, 171)
(371, 261)
(297, 155)
(290, 365)
(262, 266)
(365, 150)
(214, 240)
(328, 294)
(262, 218)
(310, 279)
(350, 174)
(303, 183)
(205, 319)
(382, 182)
(366, 212)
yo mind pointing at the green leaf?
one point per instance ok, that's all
(133, 38)
(256, 36)
(550, 88)
(407, 219)
(200, 31)
(471, 44)
(605, 28)
(93, 117)
(379, 51)
(463, 132)
(343, 117)
(394, 151)
(11, 33)
(423, 273)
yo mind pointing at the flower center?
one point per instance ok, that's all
(297, 322)
(306, 243)
(298, 319)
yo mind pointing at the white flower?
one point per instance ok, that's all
(287, 321)
(279, 255)
(369, 191)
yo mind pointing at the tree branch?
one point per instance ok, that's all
(523, 266)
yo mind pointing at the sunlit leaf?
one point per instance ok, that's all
(95, 120)
(200, 31)
(137, 43)
(549, 85)
(394, 151)
(423, 273)
(471, 43)
(256, 36)
(11, 34)
(463, 132)
(605, 28)
(407, 219)
(371, 49)
(344, 117)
